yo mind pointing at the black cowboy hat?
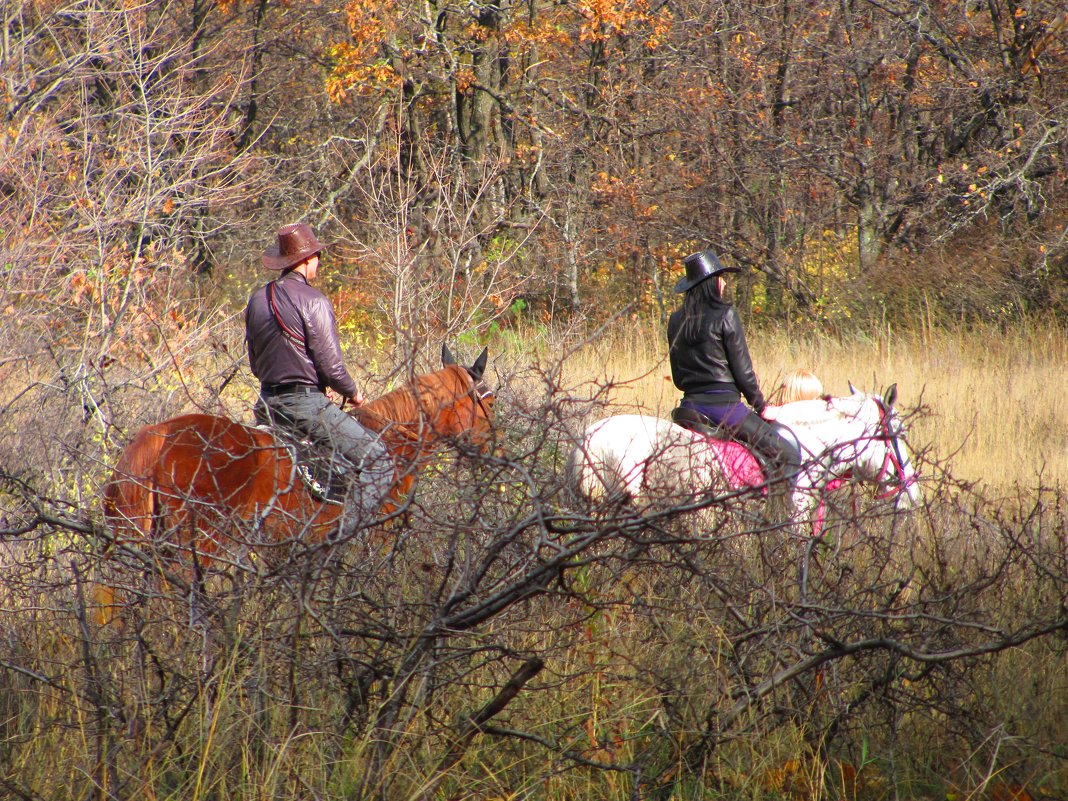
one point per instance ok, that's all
(700, 266)
(296, 242)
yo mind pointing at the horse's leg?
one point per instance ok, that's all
(782, 507)
(200, 620)
(104, 599)
(806, 560)
(809, 527)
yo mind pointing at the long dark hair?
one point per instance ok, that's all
(697, 298)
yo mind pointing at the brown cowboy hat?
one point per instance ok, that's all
(296, 242)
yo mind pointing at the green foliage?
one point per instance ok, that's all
(519, 331)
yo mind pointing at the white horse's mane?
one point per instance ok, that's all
(820, 410)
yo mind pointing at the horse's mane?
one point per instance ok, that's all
(820, 411)
(407, 406)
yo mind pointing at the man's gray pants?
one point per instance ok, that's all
(314, 416)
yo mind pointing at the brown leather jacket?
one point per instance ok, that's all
(312, 355)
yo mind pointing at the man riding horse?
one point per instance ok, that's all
(294, 351)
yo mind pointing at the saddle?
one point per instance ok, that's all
(324, 473)
(693, 420)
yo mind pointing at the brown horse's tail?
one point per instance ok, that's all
(129, 501)
(130, 494)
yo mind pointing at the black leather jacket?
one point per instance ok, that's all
(713, 363)
(276, 358)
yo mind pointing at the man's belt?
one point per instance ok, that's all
(272, 390)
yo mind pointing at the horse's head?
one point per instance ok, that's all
(473, 409)
(452, 403)
(887, 457)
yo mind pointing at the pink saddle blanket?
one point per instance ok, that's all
(742, 470)
(740, 467)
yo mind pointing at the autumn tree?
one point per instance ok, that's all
(124, 172)
(788, 136)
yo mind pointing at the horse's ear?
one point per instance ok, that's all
(852, 389)
(890, 396)
(446, 355)
(479, 367)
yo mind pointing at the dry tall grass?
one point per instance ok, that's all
(993, 404)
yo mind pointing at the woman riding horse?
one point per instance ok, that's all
(710, 364)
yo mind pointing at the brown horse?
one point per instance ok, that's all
(210, 486)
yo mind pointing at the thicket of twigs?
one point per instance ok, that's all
(506, 640)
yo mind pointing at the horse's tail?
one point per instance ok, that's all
(129, 497)
(578, 474)
(129, 502)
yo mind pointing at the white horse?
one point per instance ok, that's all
(642, 458)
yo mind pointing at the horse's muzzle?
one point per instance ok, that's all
(909, 495)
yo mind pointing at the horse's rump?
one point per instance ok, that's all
(611, 459)
(203, 474)
(644, 457)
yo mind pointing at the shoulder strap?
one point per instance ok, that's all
(293, 336)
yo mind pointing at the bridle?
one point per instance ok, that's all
(892, 472)
(480, 392)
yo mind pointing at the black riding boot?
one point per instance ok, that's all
(780, 457)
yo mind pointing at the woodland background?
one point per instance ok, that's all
(889, 175)
(862, 160)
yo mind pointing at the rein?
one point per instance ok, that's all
(410, 433)
(892, 472)
(480, 392)
(892, 458)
